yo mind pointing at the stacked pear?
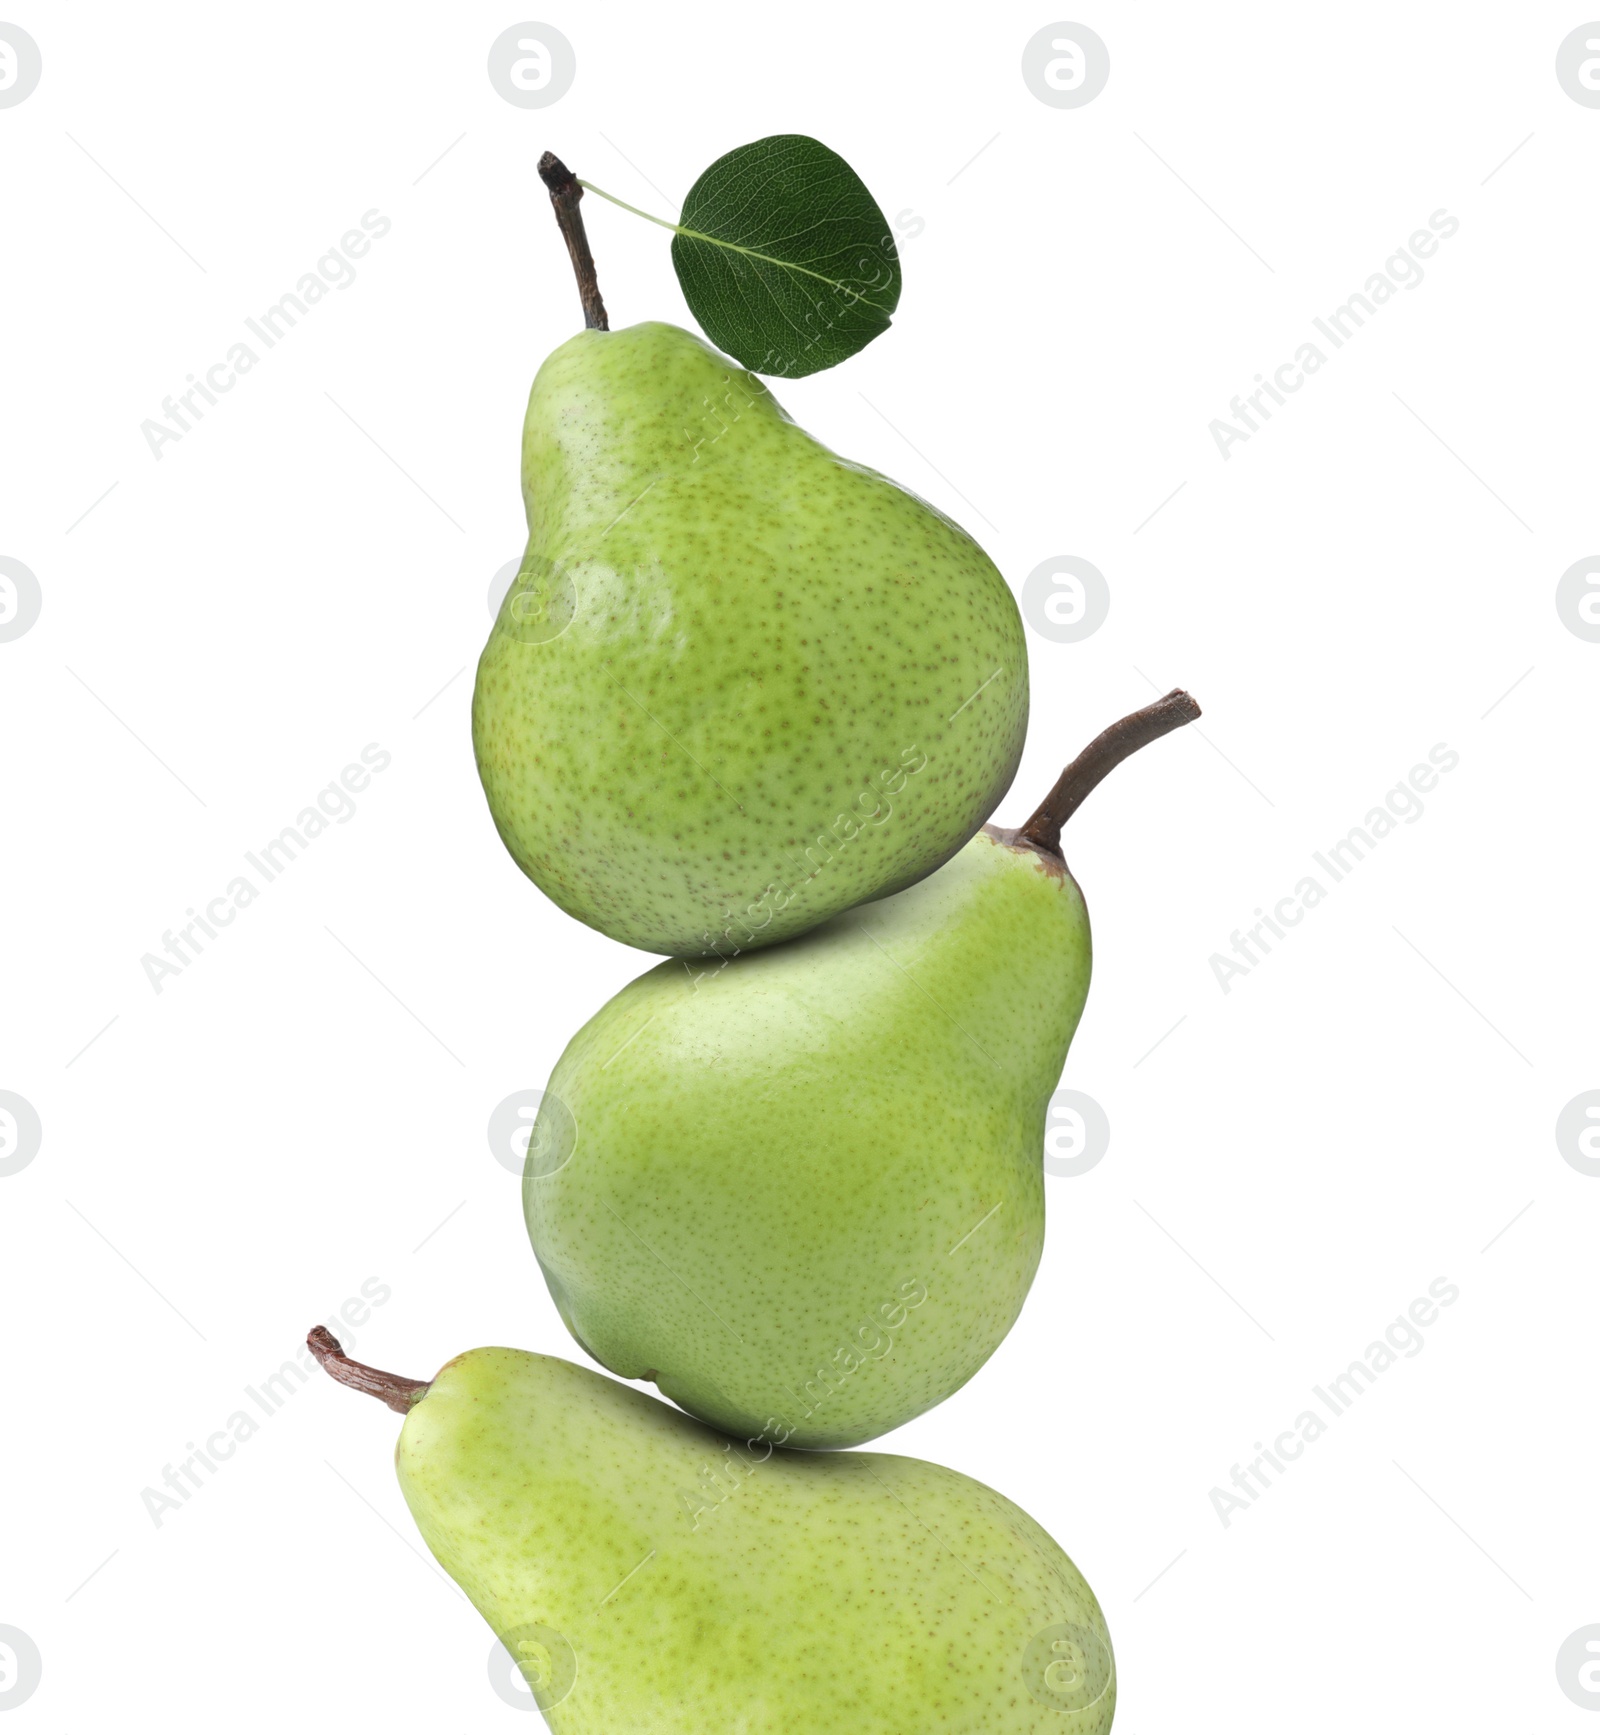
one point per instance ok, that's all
(650, 1575)
(739, 683)
(802, 1189)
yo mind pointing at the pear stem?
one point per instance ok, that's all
(1104, 753)
(395, 1390)
(565, 192)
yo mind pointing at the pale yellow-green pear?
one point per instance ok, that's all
(654, 1577)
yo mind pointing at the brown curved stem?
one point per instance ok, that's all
(1104, 753)
(565, 192)
(395, 1390)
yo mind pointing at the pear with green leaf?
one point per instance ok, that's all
(652, 1576)
(802, 1189)
(739, 684)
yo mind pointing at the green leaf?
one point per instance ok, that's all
(785, 258)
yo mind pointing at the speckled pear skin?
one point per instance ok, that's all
(739, 683)
(802, 1190)
(659, 1579)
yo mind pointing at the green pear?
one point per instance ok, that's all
(739, 684)
(653, 1576)
(801, 1189)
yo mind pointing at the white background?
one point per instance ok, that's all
(304, 1108)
